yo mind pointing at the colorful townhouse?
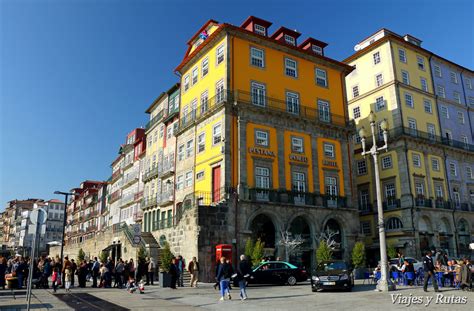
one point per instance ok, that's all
(263, 145)
(393, 79)
(159, 173)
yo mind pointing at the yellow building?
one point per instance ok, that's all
(392, 78)
(263, 144)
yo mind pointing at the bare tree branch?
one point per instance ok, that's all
(290, 242)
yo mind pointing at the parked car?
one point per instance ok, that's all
(416, 263)
(277, 272)
(334, 274)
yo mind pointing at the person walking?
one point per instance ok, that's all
(174, 273)
(119, 273)
(151, 271)
(181, 266)
(223, 276)
(243, 272)
(66, 265)
(193, 269)
(465, 275)
(54, 279)
(95, 272)
(73, 271)
(429, 271)
(68, 276)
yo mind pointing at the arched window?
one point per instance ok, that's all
(393, 223)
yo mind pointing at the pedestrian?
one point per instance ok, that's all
(66, 265)
(151, 271)
(193, 269)
(181, 266)
(3, 270)
(147, 263)
(216, 285)
(231, 273)
(95, 272)
(54, 279)
(118, 273)
(82, 274)
(68, 276)
(428, 268)
(73, 272)
(132, 267)
(174, 273)
(466, 275)
(223, 276)
(243, 273)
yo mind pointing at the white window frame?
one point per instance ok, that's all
(259, 29)
(258, 93)
(180, 182)
(437, 71)
(291, 67)
(469, 83)
(181, 152)
(255, 59)
(386, 162)
(424, 84)
(201, 142)
(216, 134)
(469, 173)
(402, 55)
(186, 82)
(431, 129)
(261, 138)
(465, 140)
(409, 102)
(420, 61)
(444, 111)
(188, 179)
(405, 76)
(324, 110)
(205, 67)
(200, 175)
(292, 102)
(220, 54)
(440, 91)
(379, 100)
(457, 97)
(427, 104)
(321, 77)
(453, 170)
(317, 49)
(297, 145)
(416, 159)
(453, 77)
(289, 40)
(329, 150)
(195, 75)
(435, 164)
(461, 118)
(361, 167)
(189, 148)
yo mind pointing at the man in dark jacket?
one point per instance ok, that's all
(224, 274)
(174, 273)
(428, 268)
(243, 272)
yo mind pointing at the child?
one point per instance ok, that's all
(54, 279)
(68, 277)
(131, 286)
(141, 287)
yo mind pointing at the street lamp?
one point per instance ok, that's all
(66, 195)
(384, 284)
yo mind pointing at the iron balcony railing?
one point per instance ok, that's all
(365, 207)
(150, 174)
(391, 203)
(165, 197)
(170, 113)
(400, 131)
(464, 207)
(163, 224)
(296, 198)
(153, 121)
(321, 115)
(440, 203)
(423, 202)
(166, 168)
(149, 201)
(204, 109)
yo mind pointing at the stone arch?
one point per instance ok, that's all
(263, 227)
(334, 224)
(445, 236)
(464, 237)
(425, 232)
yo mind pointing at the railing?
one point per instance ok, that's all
(435, 139)
(163, 224)
(116, 175)
(127, 199)
(296, 198)
(423, 202)
(389, 204)
(365, 207)
(303, 111)
(204, 109)
(154, 120)
(165, 197)
(152, 173)
(464, 207)
(149, 201)
(171, 113)
(115, 196)
(165, 168)
(132, 178)
(439, 203)
(138, 195)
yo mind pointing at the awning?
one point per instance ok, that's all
(110, 247)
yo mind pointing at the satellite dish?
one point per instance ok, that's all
(356, 47)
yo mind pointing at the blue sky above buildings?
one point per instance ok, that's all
(77, 76)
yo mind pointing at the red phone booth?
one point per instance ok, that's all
(224, 250)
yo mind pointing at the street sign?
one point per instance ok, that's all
(38, 215)
(137, 239)
(137, 230)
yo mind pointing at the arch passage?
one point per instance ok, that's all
(303, 255)
(333, 226)
(263, 228)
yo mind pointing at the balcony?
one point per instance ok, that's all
(138, 196)
(299, 110)
(195, 116)
(440, 203)
(166, 169)
(115, 196)
(464, 207)
(365, 207)
(165, 197)
(149, 201)
(171, 113)
(422, 202)
(127, 199)
(116, 175)
(427, 137)
(163, 224)
(150, 174)
(296, 198)
(390, 204)
(138, 216)
(153, 121)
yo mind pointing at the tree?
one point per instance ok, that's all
(142, 253)
(358, 255)
(81, 255)
(257, 253)
(166, 257)
(103, 257)
(249, 245)
(328, 236)
(391, 251)
(323, 252)
(290, 243)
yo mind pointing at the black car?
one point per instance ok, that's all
(334, 274)
(277, 272)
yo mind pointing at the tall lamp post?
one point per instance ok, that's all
(66, 195)
(384, 284)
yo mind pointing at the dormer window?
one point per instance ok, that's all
(260, 30)
(290, 40)
(317, 49)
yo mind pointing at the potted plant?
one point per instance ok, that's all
(358, 260)
(166, 257)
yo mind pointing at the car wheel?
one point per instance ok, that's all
(291, 281)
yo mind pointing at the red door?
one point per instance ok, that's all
(216, 184)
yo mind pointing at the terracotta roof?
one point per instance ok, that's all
(282, 29)
(256, 20)
(312, 41)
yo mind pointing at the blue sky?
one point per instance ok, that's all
(77, 76)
